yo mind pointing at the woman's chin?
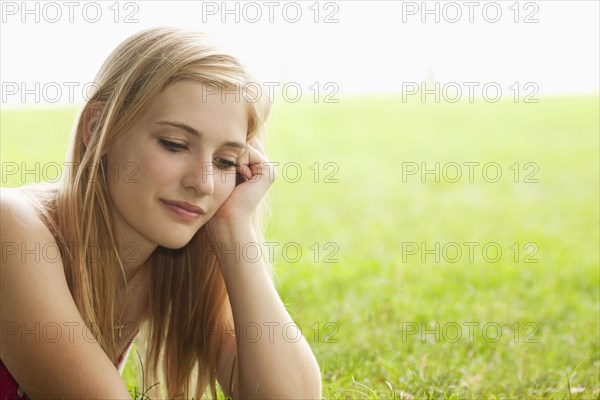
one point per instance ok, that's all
(174, 243)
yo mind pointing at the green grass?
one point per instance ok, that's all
(367, 300)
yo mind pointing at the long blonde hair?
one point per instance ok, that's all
(180, 341)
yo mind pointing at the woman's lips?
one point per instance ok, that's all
(185, 211)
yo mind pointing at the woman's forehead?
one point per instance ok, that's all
(187, 105)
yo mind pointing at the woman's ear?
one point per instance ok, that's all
(89, 119)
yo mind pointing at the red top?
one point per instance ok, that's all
(9, 388)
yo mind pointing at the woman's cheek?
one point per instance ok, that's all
(225, 184)
(228, 178)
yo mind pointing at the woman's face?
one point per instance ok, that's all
(170, 173)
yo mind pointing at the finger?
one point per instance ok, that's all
(255, 156)
(242, 166)
(256, 143)
(259, 164)
(252, 162)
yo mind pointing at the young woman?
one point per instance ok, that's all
(151, 231)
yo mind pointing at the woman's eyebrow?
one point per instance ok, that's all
(180, 125)
(190, 130)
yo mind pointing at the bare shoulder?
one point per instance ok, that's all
(45, 343)
(15, 205)
(25, 241)
(23, 233)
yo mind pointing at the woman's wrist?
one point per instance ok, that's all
(223, 232)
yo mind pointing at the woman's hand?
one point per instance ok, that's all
(239, 207)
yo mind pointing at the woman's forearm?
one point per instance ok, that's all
(275, 361)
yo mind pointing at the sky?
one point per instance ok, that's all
(49, 51)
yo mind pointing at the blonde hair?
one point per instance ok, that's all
(179, 341)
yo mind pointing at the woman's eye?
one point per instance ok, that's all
(225, 164)
(171, 146)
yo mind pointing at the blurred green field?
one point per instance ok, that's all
(380, 311)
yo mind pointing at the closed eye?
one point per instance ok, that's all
(171, 146)
(225, 164)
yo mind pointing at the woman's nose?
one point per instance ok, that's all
(200, 178)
